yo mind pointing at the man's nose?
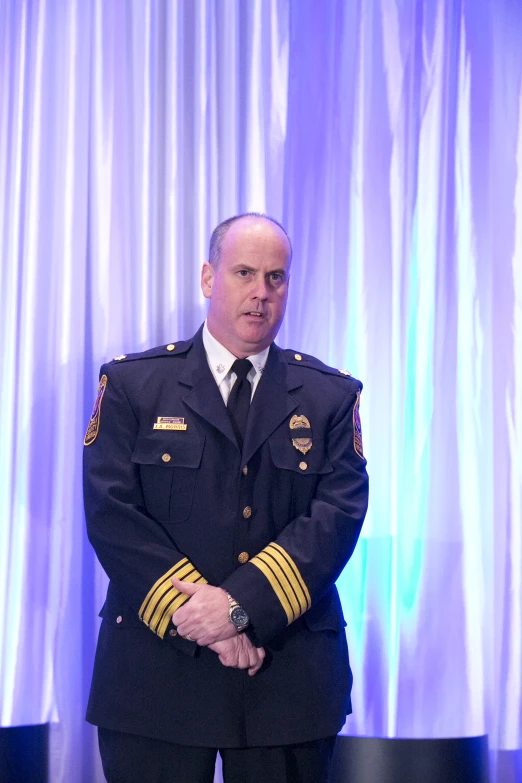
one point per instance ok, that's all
(259, 289)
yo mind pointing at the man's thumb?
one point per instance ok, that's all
(185, 587)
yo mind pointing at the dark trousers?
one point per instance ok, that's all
(128, 758)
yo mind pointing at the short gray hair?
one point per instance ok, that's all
(219, 233)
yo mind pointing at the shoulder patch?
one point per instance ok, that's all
(357, 430)
(94, 423)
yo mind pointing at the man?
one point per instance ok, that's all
(225, 489)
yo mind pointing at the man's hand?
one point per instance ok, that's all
(204, 618)
(240, 653)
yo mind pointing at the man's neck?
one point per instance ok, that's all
(234, 350)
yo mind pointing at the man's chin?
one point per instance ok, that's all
(256, 340)
(250, 347)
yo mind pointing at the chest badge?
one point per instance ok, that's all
(170, 423)
(302, 433)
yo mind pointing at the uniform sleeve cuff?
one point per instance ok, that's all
(163, 599)
(285, 580)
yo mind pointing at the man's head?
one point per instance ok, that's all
(246, 281)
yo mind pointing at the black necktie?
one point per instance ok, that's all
(239, 399)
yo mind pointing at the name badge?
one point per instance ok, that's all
(170, 423)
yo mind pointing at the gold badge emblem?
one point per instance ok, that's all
(170, 423)
(94, 423)
(301, 423)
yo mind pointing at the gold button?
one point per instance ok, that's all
(303, 465)
(298, 357)
(170, 347)
(345, 372)
(173, 632)
(245, 470)
(166, 458)
(120, 358)
(247, 512)
(243, 557)
(119, 619)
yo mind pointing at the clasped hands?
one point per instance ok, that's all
(205, 620)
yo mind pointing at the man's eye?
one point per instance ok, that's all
(243, 272)
(276, 276)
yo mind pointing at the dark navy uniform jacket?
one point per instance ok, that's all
(274, 526)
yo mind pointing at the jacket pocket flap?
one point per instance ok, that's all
(169, 450)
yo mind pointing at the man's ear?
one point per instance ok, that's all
(207, 278)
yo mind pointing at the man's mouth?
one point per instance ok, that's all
(255, 313)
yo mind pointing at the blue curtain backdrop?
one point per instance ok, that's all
(387, 137)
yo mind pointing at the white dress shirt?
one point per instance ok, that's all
(220, 361)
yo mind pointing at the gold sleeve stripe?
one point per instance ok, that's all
(163, 599)
(162, 586)
(278, 590)
(292, 574)
(178, 601)
(295, 571)
(164, 593)
(285, 579)
(162, 580)
(171, 601)
(286, 586)
(169, 594)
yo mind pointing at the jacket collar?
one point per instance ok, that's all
(271, 404)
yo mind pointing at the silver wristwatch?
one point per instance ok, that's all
(237, 614)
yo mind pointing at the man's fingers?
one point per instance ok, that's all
(260, 653)
(186, 629)
(229, 658)
(240, 653)
(255, 667)
(243, 658)
(251, 657)
(228, 632)
(207, 640)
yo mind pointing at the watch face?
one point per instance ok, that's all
(239, 617)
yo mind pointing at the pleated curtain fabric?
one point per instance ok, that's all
(387, 138)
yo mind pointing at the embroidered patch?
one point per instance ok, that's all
(170, 423)
(94, 423)
(357, 431)
(302, 444)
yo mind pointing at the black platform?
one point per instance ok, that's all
(24, 759)
(24, 754)
(375, 760)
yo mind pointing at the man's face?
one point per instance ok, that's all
(249, 287)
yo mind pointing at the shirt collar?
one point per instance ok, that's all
(220, 359)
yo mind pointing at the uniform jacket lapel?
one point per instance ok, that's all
(272, 402)
(203, 396)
